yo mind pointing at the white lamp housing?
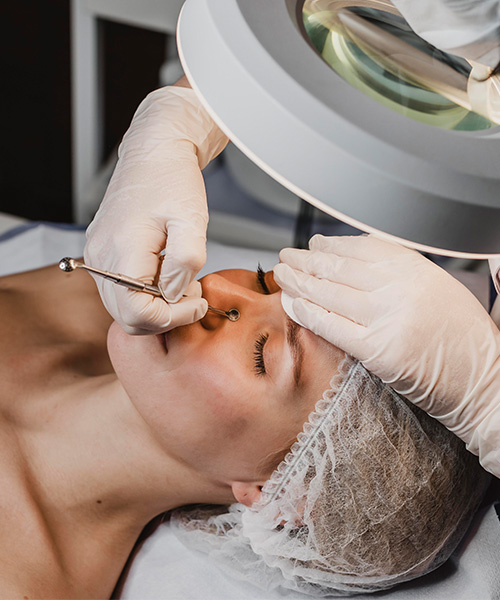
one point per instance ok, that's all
(266, 86)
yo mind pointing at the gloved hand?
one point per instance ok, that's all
(410, 323)
(453, 25)
(466, 28)
(156, 197)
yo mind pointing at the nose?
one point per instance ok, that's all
(222, 293)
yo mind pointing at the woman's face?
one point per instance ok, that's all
(227, 397)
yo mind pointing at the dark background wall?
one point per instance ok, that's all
(35, 100)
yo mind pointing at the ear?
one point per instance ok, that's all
(247, 492)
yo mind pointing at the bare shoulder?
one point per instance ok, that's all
(40, 559)
(46, 311)
(50, 289)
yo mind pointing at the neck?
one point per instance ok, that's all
(96, 463)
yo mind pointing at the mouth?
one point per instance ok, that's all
(162, 338)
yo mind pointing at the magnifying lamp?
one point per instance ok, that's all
(345, 106)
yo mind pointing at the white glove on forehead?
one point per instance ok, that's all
(410, 323)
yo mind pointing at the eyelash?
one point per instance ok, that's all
(260, 367)
(261, 279)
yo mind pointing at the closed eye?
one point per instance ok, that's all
(258, 354)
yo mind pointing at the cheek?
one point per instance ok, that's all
(203, 417)
(217, 389)
(202, 394)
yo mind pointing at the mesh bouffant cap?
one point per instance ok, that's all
(373, 493)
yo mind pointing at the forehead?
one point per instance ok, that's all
(243, 277)
(321, 364)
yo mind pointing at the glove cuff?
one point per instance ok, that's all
(173, 115)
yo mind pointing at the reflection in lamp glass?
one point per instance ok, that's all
(376, 51)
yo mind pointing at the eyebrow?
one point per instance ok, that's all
(296, 348)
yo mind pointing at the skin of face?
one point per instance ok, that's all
(199, 390)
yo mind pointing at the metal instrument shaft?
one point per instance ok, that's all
(68, 264)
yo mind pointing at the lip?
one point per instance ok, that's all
(162, 338)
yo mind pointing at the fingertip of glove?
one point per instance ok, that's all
(188, 311)
(281, 269)
(279, 274)
(304, 309)
(284, 252)
(129, 330)
(203, 308)
(316, 242)
(299, 306)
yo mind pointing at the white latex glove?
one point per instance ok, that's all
(453, 24)
(466, 28)
(410, 323)
(156, 197)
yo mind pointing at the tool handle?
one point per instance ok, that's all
(133, 284)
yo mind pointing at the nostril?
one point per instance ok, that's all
(211, 321)
(222, 295)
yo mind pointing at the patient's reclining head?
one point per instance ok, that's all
(374, 492)
(227, 399)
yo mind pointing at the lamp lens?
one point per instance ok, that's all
(374, 49)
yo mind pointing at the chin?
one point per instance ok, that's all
(135, 358)
(122, 349)
(114, 344)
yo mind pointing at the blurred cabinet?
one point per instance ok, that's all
(35, 161)
(36, 158)
(88, 103)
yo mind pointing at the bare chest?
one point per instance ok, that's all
(34, 562)
(52, 332)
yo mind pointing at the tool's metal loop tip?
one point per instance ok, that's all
(65, 264)
(233, 314)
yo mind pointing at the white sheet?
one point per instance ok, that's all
(164, 569)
